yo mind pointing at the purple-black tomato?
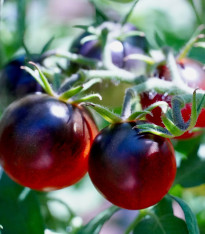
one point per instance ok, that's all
(129, 169)
(44, 142)
(15, 82)
(119, 48)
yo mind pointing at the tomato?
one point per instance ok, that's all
(131, 170)
(15, 82)
(44, 142)
(119, 48)
(192, 73)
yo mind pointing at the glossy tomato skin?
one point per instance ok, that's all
(193, 75)
(119, 48)
(15, 82)
(44, 143)
(131, 170)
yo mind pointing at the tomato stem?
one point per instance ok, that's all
(172, 65)
(140, 57)
(73, 58)
(127, 104)
(119, 74)
(163, 86)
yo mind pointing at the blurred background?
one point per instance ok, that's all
(36, 21)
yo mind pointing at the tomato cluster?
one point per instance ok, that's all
(47, 143)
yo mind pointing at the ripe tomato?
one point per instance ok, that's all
(44, 143)
(193, 75)
(131, 170)
(15, 82)
(119, 48)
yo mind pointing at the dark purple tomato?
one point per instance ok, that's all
(44, 143)
(193, 74)
(15, 82)
(119, 48)
(131, 170)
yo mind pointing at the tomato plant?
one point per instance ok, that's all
(125, 166)
(147, 161)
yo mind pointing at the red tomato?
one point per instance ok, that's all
(131, 170)
(193, 74)
(44, 142)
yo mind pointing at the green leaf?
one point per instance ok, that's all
(139, 115)
(164, 207)
(71, 92)
(100, 16)
(191, 170)
(95, 225)
(159, 39)
(20, 209)
(127, 16)
(47, 45)
(105, 113)
(189, 216)
(168, 224)
(154, 129)
(161, 220)
(88, 97)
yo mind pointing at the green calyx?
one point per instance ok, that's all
(171, 116)
(173, 121)
(69, 94)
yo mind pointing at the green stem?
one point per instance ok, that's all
(123, 75)
(140, 57)
(73, 58)
(127, 104)
(173, 67)
(163, 86)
